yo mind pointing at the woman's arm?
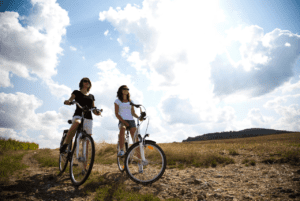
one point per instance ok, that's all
(67, 102)
(133, 112)
(94, 111)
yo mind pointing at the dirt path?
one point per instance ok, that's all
(40, 183)
(232, 182)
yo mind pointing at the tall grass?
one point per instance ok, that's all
(11, 144)
(9, 164)
(281, 148)
(286, 148)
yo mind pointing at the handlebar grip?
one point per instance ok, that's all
(143, 114)
(137, 106)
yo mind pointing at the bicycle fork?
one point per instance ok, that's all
(141, 145)
(83, 158)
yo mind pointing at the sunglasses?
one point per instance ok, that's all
(85, 81)
(125, 89)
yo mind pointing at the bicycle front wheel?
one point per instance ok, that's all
(147, 171)
(82, 160)
(63, 157)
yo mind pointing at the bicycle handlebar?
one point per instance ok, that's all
(84, 108)
(137, 106)
(143, 114)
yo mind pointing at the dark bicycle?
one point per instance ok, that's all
(83, 154)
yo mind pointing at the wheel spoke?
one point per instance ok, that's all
(81, 165)
(153, 167)
(120, 160)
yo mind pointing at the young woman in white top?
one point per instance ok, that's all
(125, 113)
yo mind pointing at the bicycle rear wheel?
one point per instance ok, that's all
(63, 157)
(81, 165)
(120, 160)
(153, 167)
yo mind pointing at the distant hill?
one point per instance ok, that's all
(251, 132)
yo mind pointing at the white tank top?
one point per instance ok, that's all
(124, 109)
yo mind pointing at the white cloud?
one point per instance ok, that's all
(289, 87)
(73, 48)
(57, 89)
(171, 58)
(18, 110)
(83, 58)
(32, 50)
(120, 41)
(176, 110)
(179, 42)
(289, 114)
(18, 113)
(105, 90)
(275, 103)
(110, 79)
(265, 65)
(106, 33)
(290, 118)
(169, 40)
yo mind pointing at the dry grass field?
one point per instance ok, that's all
(280, 148)
(187, 163)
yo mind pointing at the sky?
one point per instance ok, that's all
(197, 66)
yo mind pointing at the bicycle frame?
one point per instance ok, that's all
(79, 133)
(141, 140)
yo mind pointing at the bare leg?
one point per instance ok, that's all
(132, 131)
(122, 136)
(71, 132)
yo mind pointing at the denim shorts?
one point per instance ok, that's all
(130, 122)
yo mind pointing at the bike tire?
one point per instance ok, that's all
(63, 158)
(150, 168)
(73, 162)
(120, 160)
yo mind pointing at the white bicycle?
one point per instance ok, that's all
(143, 155)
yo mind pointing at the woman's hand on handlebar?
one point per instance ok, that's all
(67, 102)
(97, 112)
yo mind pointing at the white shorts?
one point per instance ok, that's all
(87, 124)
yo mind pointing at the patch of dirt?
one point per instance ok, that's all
(40, 183)
(232, 182)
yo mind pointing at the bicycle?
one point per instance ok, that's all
(144, 161)
(81, 163)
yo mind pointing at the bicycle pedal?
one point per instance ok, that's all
(81, 159)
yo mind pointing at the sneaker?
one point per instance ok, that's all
(63, 148)
(121, 153)
(141, 168)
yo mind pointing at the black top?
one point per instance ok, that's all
(83, 100)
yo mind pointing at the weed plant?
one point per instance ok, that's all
(45, 159)
(11, 144)
(10, 162)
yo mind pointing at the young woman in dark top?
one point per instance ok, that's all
(84, 99)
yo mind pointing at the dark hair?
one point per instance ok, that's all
(81, 83)
(120, 94)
